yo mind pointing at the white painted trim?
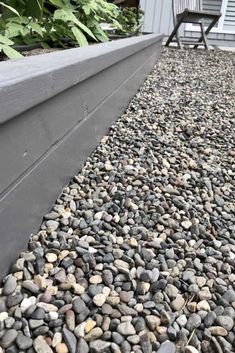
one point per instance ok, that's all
(190, 28)
(223, 11)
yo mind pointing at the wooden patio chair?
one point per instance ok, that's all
(190, 11)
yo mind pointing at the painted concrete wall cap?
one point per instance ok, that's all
(32, 80)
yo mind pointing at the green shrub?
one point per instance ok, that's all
(130, 19)
(55, 22)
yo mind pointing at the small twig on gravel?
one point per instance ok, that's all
(186, 303)
(191, 336)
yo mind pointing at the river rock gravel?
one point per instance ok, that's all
(138, 252)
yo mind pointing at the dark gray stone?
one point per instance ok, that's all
(78, 305)
(14, 299)
(9, 285)
(167, 347)
(82, 346)
(24, 342)
(70, 340)
(8, 338)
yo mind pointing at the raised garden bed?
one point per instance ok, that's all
(54, 109)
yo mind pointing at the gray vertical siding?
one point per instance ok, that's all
(158, 16)
(158, 19)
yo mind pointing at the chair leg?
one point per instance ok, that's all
(211, 25)
(174, 32)
(178, 40)
(203, 35)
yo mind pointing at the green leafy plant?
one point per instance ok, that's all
(30, 8)
(95, 12)
(5, 47)
(130, 19)
(56, 23)
(5, 42)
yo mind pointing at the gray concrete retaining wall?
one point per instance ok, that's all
(54, 108)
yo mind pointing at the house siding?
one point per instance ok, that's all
(158, 19)
(158, 16)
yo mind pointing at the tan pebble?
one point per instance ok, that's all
(203, 305)
(99, 267)
(152, 337)
(232, 153)
(113, 300)
(120, 264)
(51, 257)
(152, 322)
(192, 307)
(218, 331)
(47, 307)
(126, 318)
(99, 299)
(63, 254)
(48, 267)
(78, 289)
(73, 255)
(175, 272)
(41, 346)
(79, 330)
(52, 290)
(161, 238)
(94, 334)
(106, 291)
(145, 287)
(113, 293)
(106, 324)
(71, 278)
(207, 151)
(210, 283)
(57, 338)
(40, 281)
(231, 277)
(61, 348)
(205, 294)
(90, 324)
(119, 240)
(3, 316)
(178, 303)
(160, 227)
(132, 273)
(104, 140)
(70, 319)
(18, 275)
(161, 329)
(66, 214)
(133, 242)
(98, 215)
(139, 307)
(201, 281)
(96, 279)
(116, 218)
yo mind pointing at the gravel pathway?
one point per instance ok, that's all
(138, 252)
